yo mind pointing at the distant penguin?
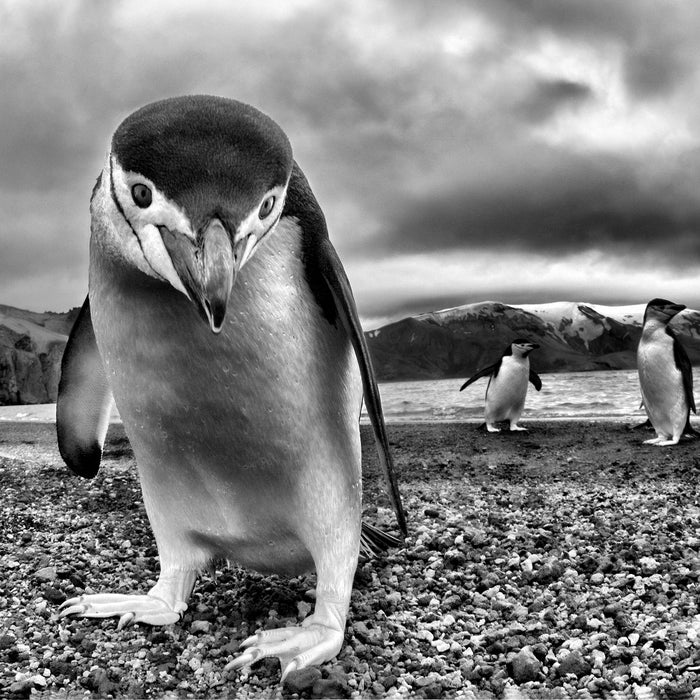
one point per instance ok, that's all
(665, 374)
(507, 387)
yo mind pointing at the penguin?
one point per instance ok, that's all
(665, 375)
(507, 387)
(221, 322)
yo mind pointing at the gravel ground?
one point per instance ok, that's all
(559, 562)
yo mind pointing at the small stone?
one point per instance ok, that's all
(6, 641)
(649, 565)
(549, 571)
(21, 688)
(335, 686)
(525, 666)
(575, 664)
(48, 573)
(597, 578)
(200, 626)
(303, 680)
(54, 595)
(624, 622)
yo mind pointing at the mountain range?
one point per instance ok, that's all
(573, 336)
(450, 343)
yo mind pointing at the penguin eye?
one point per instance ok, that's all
(142, 196)
(266, 207)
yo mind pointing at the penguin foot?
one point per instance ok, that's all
(661, 441)
(514, 426)
(129, 608)
(295, 647)
(492, 428)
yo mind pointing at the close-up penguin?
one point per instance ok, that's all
(507, 387)
(221, 322)
(665, 375)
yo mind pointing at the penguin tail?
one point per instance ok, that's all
(373, 541)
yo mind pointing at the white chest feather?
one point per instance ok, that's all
(230, 429)
(505, 395)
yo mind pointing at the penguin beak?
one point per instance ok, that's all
(207, 268)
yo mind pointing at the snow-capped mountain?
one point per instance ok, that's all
(573, 336)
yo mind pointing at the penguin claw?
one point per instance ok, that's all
(128, 608)
(125, 620)
(290, 668)
(295, 647)
(72, 607)
(246, 659)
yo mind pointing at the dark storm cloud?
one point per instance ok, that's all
(656, 36)
(420, 125)
(548, 96)
(558, 205)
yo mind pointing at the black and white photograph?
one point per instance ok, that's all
(347, 349)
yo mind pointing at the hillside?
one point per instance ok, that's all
(31, 347)
(573, 336)
(450, 343)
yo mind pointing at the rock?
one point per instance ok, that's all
(98, 681)
(302, 681)
(200, 626)
(335, 686)
(525, 666)
(550, 571)
(22, 688)
(54, 595)
(575, 664)
(7, 641)
(48, 573)
(624, 622)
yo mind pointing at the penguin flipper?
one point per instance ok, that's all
(339, 286)
(686, 369)
(84, 399)
(535, 380)
(491, 370)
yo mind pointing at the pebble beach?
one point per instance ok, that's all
(560, 562)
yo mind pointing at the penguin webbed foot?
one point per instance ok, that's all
(128, 608)
(661, 442)
(295, 647)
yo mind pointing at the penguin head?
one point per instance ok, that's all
(521, 347)
(662, 310)
(193, 185)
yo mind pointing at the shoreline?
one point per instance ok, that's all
(46, 413)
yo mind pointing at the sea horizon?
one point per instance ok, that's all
(586, 396)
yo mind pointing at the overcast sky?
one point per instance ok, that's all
(522, 151)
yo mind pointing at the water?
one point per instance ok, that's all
(576, 395)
